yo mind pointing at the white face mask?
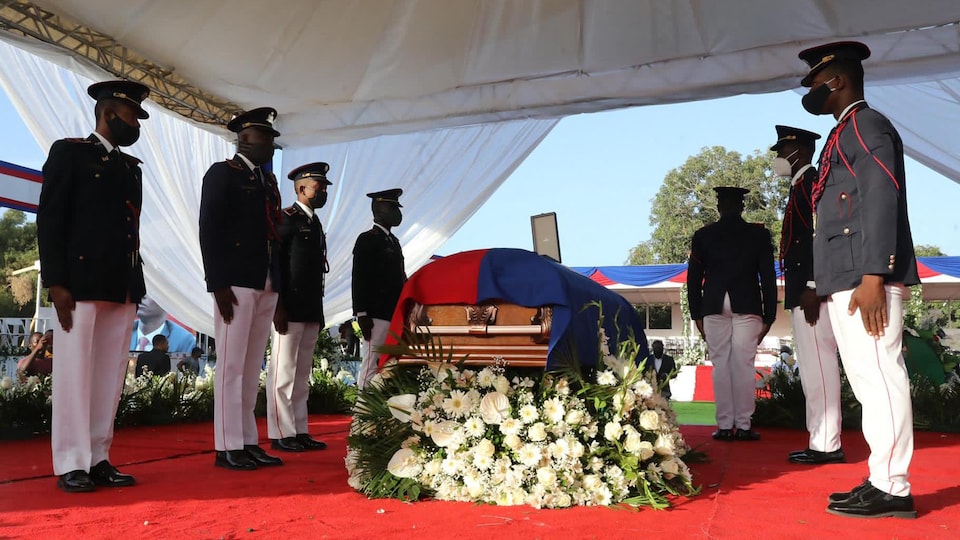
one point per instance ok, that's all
(782, 166)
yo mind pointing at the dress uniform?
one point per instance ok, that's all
(303, 263)
(239, 220)
(861, 230)
(816, 346)
(88, 235)
(378, 278)
(724, 293)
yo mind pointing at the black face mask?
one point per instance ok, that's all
(395, 217)
(814, 101)
(123, 133)
(318, 200)
(259, 153)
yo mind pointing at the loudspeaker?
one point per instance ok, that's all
(546, 237)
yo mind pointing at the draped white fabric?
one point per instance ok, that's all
(446, 175)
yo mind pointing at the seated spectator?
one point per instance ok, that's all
(40, 359)
(157, 361)
(191, 363)
(786, 364)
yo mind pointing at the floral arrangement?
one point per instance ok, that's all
(24, 407)
(548, 440)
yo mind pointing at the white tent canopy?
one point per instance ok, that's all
(444, 98)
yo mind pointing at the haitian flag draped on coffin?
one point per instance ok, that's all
(526, 279)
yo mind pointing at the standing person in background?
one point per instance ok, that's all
(156, 360)
(88, 231)
(863, 260)
(662, 365)
(817, 361)
(378, 277)
(239, 217)
(299, 316)
(732, 309)
(152, 320)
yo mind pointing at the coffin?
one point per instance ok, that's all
(493, 332)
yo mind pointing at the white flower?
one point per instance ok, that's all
(446, 434)
(324, 364)
(562, 386)
(458, 404)
(669, 467)
(401, 406)
(412, 440)
(432, 467)
(32, 382)
(645, 450)
(512, 441)
(547, 476)
(643, 388)
(553, 410)
(528, 414)
(494, 407)
(574, 417)
(632, 443)
(601, 497)
(474, 426)
(606, 377)
(529, 455)
(482, 462)
(563, 500)
(511, 426)
(537, 432)
(612, 431)
(592, 482)
(664, 445)
(6, 383)
(649, 420)
(404, 464)
(485, 448)
(485, 378)
(440, 370)
(501, 384)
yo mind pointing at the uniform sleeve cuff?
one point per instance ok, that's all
(811, 284)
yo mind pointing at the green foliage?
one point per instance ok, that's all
(686, 202)
(24, 408)
(18, 249)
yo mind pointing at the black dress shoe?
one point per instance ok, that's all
(261, 458)
(844, 495)
(870, 502)
(287, 444)
(723, 435)
(747, 435)
(815, 457)
(75, 482)
(310, 443)
(237, 460)
(106, 475)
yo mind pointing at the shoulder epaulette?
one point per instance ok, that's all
(77, 140)
(290, 211)
(132, 160)
(234, 163)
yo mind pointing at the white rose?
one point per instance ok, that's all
(494, 407)
(649, 420)
(445, 434)
(501, 384)
(592, 482)
(537, 432)
(547, 476)
(632, 443)
(404, 464)
(401, 406)
(485, 448)
(512, 441)
(574, 417)
(612, 431)
(669, 467)
(645, 450)
(664, 445)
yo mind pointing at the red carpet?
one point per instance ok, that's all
(749, 491)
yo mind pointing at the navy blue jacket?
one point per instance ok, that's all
(88, 222)
(378, 274)
(797, 240)
(303, 263)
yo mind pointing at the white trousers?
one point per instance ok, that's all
(288, 379)
(732, 344)
(90, 366)
(879, 379)
(241, 346)
(371, 358)
(816, 350)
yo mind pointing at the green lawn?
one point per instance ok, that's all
(695, 413)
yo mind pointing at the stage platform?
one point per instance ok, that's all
(749, 491)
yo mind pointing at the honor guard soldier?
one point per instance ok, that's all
(378, 277)
(863, 259)
(299, 316)
(812, 334)
(88, 230)
(239, 232)
(732, 310)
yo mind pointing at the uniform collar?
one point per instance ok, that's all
(799, 176)
(103, 140)
(306, 209)
(247, 161)
(849, 108)
(382, 228)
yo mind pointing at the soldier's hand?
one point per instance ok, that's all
(366, 326)
(700, 329)
(763, 332)
(280, 319)
(871, 299)
(225, 301)
(64, 304)
(810, 305)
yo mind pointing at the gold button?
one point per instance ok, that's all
(81, 257)
(128, 236)
(843, 196)
(128, 219)
(128, 202)
(846, 230)
(238, 244)
(890, 267)
(96, 175)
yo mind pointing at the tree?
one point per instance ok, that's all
(18, 249)
(928, 251)
(686, 202)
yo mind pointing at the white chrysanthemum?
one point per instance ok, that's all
(529, 455)
(482, 462)
(606, 377)
(643, 389)
(474, 427)
(404, 464)
(494, 408)
(511, 426)
(547, 476)
(512, 441)
(664, 445)
(529, 414)
(602, 496)
(650, 420)
(553, 410)
(612, 431)
(458, 404)
(485, 378)
(537, 432)
(451, 465)
(429, 427)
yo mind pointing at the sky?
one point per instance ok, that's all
(599, 172)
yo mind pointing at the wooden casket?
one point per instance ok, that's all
(487, 333)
